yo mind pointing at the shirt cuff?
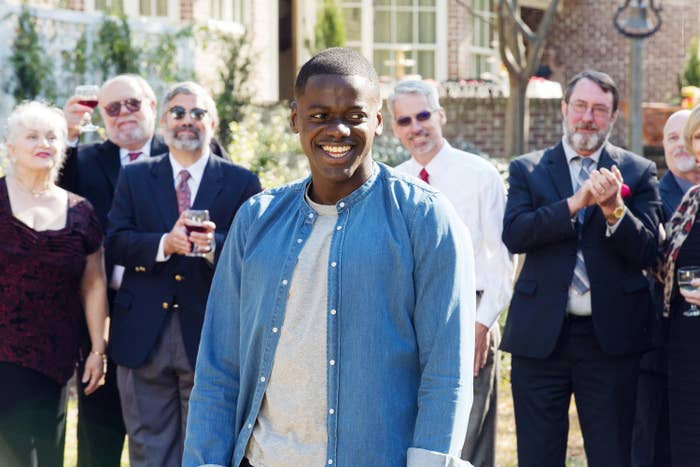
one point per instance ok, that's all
(486, 312)
(73, 143)
(160, 256)
(418, 457)
(610, 229)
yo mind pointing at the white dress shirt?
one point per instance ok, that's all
(474, 187)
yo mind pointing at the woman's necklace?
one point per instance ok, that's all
(36, 193)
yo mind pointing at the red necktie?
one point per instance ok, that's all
(424, 175)
(134, 155)
(183, 192)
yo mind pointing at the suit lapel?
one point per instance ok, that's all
(211, 184)
(158, 146)
(110, 163)
(558, 168)
(164, 192)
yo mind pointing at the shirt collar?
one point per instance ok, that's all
(571, 152)
(196, 170)
(145, 151)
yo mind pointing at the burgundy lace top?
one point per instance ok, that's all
(40, 277)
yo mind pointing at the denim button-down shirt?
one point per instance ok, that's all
(400, 326)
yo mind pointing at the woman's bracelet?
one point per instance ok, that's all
(101, 354)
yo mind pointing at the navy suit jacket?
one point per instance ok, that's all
(671, 194)
(537, 223)
(145, 208)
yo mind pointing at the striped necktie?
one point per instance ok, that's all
(183, 192)
(580, 281)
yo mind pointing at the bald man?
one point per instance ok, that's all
(650, 443)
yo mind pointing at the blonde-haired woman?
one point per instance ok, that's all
(51, 271)
(683, 250)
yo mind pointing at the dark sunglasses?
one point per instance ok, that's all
(420, 116)
(178, 113)
(113, 109)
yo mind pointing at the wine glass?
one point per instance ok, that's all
(193, 223)
(87, 94)
(686, 275)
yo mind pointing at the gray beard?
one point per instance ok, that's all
(183, 144)
(586, 143)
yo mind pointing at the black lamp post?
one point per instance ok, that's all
(633, 21)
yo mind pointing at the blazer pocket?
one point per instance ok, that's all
(526, 286)
(634, 284)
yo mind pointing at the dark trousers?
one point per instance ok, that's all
(650, 438)
(245, 463)
(604, 387)
(684, 390)
(32, 418)
(101, 431)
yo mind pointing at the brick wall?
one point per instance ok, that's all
(584, 37)
(482, 123)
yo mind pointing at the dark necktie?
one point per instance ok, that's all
(183, 192)
(424, 175)
(134, 155)
(580, 281)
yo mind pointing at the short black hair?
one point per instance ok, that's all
(603, 80)
(335, 61)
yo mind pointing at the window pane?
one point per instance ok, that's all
(382, 2)
(404, 2)
(381, 63)
(145, 7)
(162, 8)
(404, 27)
(426, 64)
(426, 2)
(426, 28)
(353, 23)
(382, 26)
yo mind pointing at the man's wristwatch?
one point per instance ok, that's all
(617, 214)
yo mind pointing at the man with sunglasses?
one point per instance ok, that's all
(476, 190)
(159, 309)
(586, 215)
(127, 104)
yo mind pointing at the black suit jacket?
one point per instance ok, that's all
(537, 223)
(145, 208)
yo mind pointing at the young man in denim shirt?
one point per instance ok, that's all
(340, 324)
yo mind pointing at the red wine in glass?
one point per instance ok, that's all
(193, 223)
(92, 103)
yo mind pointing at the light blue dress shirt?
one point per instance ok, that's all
(400, 326)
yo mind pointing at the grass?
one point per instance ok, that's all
(506, 450)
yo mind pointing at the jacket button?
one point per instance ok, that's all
(165, 305)
(178, 277)
(175, 305)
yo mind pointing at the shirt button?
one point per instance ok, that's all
(342, 204)
(333, 311)
(340, 227)
(299, 240)
(311, 216)
(274, 329)
(262, 379)
(330, 461)
(334, 264)
(250, 425)
(285, 282)
(331, 411)
(332, 362)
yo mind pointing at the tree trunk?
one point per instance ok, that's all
(517, 118)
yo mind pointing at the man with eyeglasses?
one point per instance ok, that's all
(159, 309)
(586, 215)
(127, 104)
(476, 190)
